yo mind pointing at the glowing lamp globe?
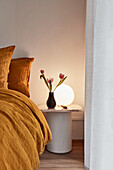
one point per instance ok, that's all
(64, 95)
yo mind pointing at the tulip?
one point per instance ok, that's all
(50, 80)
(42, 71)
(61, 76)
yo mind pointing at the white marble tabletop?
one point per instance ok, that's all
(71, 108)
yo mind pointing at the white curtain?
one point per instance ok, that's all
(99, 85)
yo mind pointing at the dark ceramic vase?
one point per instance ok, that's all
(51, 103)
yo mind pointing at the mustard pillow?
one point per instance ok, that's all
(19, 74)
(5, 59)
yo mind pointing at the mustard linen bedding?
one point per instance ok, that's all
(24, 132)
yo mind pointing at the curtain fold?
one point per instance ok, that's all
(99, 85)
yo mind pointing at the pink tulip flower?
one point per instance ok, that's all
(61, 76)
(50, 80)
(42, 71)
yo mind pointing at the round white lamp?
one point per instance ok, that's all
(64, 95)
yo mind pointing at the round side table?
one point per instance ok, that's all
(60, 123)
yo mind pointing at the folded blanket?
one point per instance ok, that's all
(24, 132)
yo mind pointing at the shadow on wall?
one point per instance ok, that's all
(20, 53)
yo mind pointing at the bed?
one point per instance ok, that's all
(24, 131)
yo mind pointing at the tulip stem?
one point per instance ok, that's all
(60, 82)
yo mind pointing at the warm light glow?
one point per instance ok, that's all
(64, 95)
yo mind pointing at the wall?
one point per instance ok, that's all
(53, 32)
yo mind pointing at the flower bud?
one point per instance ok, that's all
(42, 71)
(50, 80)
(61, 76)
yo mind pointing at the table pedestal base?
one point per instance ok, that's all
(60, 125)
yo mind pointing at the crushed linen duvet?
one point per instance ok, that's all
(24, 132)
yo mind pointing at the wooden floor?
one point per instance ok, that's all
(69, 161)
